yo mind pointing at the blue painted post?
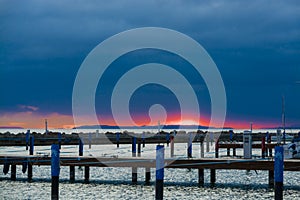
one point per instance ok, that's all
(118, 139)
(278, 172)
(231, 135)
(90, 140)
(133, 146)
(55, 171)
(80, 147)
(190, 144)
(31, 149)
(168, 138)
(159, 185)
(59, 139)
(27, 138)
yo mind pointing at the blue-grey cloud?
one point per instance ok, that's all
(255, 44)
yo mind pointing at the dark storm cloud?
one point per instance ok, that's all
(255, 44)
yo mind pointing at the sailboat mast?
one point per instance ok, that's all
(283, 117)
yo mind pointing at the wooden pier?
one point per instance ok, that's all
(206, 163)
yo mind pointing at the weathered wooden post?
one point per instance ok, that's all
(212, 177)
(269, 144)
(202, 149)
(13, 172)
(263, 147)
(90, 140)
(190, 146)
(172, 145)
(6, 167)
(217, 148)
(133, 147)
(59, 139)
(228, 151)
(24, 166)
(55, 171)
(278, 172)
(139, 148)
(271, 179)
(144, 139)
(72, 173)
(80, 147)
(86, 174)
(168, 138)
(118, 139)
(147, 175)
(207, 142)
(134, 169)
(200, 177)
(27, 138)
(31, 150)
(159, 184)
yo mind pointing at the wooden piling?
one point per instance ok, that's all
(159, 184)
(29, 172)
(217, 148)
(24, 166)
(31, 148)
(147, 175)
(269, 142)
(207, 143)
(139, 148)
(86, 174)
(143, 139)
(13, 172)
(263, 147)
(118, 139)
(202, 149)
(271, 179)
(80, 147)
(27, 139)
(212, 177)
(90, 140)
(133, 146)
(134, 169)
(168, 139)
(59, 140)
(55, 168)
(190, 146)
(231, 135)
(172, 146)
(134, 175)
(228, 151)
(72, 173)
(278, 172)
(200, 177)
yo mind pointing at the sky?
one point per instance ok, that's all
(255, 45)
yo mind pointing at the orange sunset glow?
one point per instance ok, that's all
(55, 120)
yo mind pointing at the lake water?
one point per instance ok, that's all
(115, 183)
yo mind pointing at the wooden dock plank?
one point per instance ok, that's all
(205, 163)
